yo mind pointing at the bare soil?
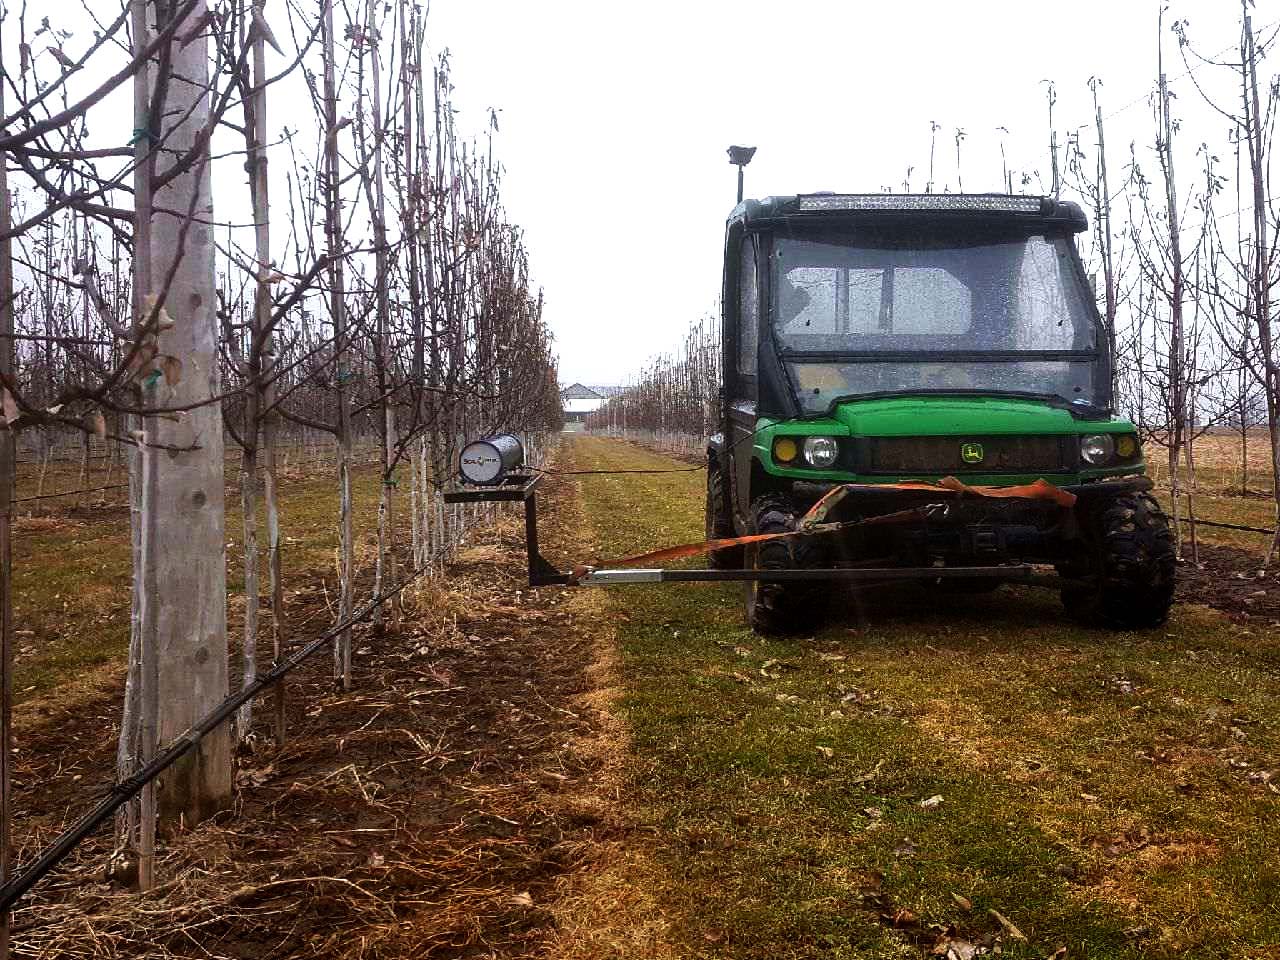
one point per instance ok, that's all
(1228, 579)
(432, 811)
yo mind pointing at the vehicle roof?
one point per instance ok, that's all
(836, 208)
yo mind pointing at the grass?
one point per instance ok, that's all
(1106, 792)
(72, 571)
(1218, 498)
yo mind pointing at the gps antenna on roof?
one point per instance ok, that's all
(740, 157)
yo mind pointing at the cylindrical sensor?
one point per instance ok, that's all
(486, 462)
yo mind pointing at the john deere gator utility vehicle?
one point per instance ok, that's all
(932, 373)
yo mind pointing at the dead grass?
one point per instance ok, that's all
(72, 572)
(1219, 460)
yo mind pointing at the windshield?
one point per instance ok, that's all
(850, 317)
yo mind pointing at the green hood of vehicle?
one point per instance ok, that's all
(963, 415)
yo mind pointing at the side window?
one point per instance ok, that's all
(748, 309)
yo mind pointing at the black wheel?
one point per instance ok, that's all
(720, 524)
(1132, 566)
(783, 609)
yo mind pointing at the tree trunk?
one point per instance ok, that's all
(8, 454)
(137, 823)
(1177, 406)
(342, 371)
(185, 537)
(264, 334)
(1262, 270)
(384, 565)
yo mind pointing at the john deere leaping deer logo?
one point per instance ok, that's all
(971, 452)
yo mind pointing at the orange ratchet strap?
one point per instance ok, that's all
(811, 524)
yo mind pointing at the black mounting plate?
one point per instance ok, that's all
(514, 488)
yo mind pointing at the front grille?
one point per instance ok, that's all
(944, 455)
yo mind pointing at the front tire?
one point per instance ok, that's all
(1132, 569)
(794, 607)
(719, 524)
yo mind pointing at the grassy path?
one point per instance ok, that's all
(1106, 793)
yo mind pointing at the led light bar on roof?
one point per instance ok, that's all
(920, 201)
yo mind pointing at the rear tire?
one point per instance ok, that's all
(1133, 566)
(720, 524)
(795, 607)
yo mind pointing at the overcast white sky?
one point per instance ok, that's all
(615, 118)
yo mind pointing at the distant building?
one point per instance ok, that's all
(579, 402)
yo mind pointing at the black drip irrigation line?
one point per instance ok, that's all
(121, 486)
(69, 493)
(124, 791)
(607, 473)
(1229, 526)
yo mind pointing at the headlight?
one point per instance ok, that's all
(1128, 447)
(1097, 448)
(820, 452)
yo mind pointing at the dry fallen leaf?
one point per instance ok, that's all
(964, 903)
(255, 778)
(931, 802)
(826, 752)
(522, 899)
(958, 950)
(901, 918)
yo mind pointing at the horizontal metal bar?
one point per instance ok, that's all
(623, 576)
(1019, 571)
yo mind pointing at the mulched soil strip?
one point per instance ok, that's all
(1227, 580)
(416, 815)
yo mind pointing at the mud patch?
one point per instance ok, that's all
(1228, 579)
